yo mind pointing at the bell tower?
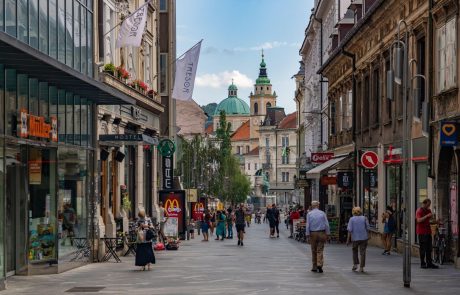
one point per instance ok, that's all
(261, 98)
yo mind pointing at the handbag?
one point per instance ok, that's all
(149, 235)
(140, 236)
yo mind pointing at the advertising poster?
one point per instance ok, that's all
(174, 203)
(197, 210)
(171, 227)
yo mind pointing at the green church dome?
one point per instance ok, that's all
(233, 105)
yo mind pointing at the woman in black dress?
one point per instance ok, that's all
(144, 250)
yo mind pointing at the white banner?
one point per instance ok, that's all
(133, 27)
(185, 74)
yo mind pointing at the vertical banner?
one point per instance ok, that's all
(174, 202)
(185, 73)
(167, 172)
(133, 27)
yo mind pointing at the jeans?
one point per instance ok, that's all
(426, 247)
(361, 246)
(230, 231)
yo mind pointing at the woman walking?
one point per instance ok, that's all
(205, 225)
(144, 250)
(389, 228)
(358, 228)
(221, 220)
(213, 222)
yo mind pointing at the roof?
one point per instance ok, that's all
(242, 133)
(209, 129)
(274, 116)
(290, 121)
(232, 106)
(254, 152)
(263, 78)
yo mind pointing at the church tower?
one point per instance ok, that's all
(261, 99)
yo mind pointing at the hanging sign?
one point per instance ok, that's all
(449, 134)
(167, 162)
(321, 157)
(369, 159)
(345, 180)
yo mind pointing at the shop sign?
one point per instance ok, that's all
(35, 126)
(369, 159)
(318, 158)
(35, 172)
(192, 195)
(328, 180)
(197, 210)
(449, 134)
(167, 162)
(345, 180)
(174, 202)
(370, 179)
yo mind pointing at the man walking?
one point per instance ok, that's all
(240, 224)
(317, 229)
(230, 218)
(276, 214)
(423, 230)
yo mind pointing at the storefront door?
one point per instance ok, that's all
(16, 208)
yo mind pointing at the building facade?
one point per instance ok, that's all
(48, 140)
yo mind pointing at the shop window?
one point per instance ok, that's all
(370, 200)
(69, 115)
(421, 177)
(77, 120)
(84, 122)
(10, 101)
(43, 96)
(61, 115)
(393, 193)
(33, 97)
(23, 92)
(446, 55)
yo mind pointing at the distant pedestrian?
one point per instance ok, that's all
(358, 234)
(192, 226)
(205, 224)
(213, 222)
(389, 228)
(240, 224)
(317, 229)
(423, 230)
(144, 249)
(277, 215)
(271, 221)
(230, 219)
(220, 229)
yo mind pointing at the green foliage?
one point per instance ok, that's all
(109, 68)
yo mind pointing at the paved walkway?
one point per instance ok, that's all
(262, 266)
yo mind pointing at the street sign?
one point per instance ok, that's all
(369, 159)
(449, 134)
(321, 157)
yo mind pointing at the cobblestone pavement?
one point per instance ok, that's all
(262, 266)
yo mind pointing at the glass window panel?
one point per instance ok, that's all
(89, 36)
(163, 5)
(69, 33)
(77, 120)
(84, 122)
(76, 36)
(10, 17)
(89, 4)
(2, 101)
(10, 101)
(163, 73)
(43, 26)
(83, 43)
(53, 106)
(61, 30)
(2, 200)
(22, 21)
(2, 28)
(43, 100)
(61, 115)
(69, 114)
(23, 89)
(33, 97)
(90, 123)
(33, 23)
(53, 33)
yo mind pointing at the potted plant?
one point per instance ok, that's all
(110, 69)
(122, 73)
(126, 203)
(141, 86)
(152, 93)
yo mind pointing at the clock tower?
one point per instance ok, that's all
(262, 98)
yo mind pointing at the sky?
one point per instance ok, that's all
(233, 33)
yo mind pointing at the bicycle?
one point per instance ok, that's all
(440, 245)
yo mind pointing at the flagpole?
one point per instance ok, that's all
(126, 18)
(187, 51)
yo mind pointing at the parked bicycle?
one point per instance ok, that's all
(440, 244)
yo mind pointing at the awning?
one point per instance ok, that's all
(128, 139)
(316, 172)
(28, 60)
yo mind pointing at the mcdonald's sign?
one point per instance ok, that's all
(174, 202)
(197, 210)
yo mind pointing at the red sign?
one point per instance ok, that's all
(321, 157)
(174, 202)
(328, 180)
(30, 125)
(369, 159)
(197, 210)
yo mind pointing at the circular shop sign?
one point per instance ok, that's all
(369, 159)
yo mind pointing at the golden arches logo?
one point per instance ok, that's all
(172, 206)
(199, 207)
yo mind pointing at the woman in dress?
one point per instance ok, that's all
(144, 250)
(205, 225)
(221, 220)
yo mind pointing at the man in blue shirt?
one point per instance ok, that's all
(318, 230)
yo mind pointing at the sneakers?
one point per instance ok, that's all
(320, 269)
(433, 266)
(386, 252)
(242, 243)
(355, 267)
(239, 242)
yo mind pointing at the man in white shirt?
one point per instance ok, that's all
(317, 229)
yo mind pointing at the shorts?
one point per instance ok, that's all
(239, 227)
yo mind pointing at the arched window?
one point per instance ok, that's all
(256, 108)
(269, 105)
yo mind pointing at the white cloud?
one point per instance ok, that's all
(223, 79)
(267, 45)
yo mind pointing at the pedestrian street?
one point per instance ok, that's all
(263, 266)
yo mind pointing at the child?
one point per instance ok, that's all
(192, 229)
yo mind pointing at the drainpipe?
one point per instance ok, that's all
(430, 87)
(353, 125)
(320, 21)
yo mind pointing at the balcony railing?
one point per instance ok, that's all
(266, 166)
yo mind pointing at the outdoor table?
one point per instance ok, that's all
(82, 246)
(110, 249)
(130, 242)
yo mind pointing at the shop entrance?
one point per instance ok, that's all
(30, 207)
